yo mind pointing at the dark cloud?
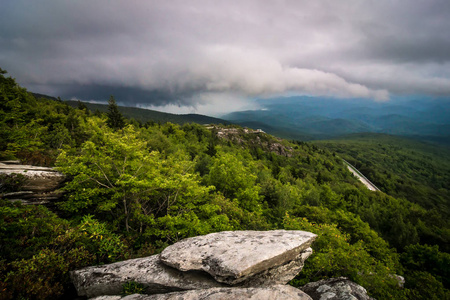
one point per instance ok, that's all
(204, 53)
(415, 33)
(124, 95)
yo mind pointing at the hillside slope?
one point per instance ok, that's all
(404, 168)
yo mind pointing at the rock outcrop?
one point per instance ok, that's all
(39, 185)
(258, 139)
(148, 271)
(335, 289)
(235, 256)
(284, 292)
(238, 259)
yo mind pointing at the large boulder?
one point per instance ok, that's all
(284, 292)
(335, 289)
(241, 258)
(148, 271)
(235, 256)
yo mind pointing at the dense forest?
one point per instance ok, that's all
(401, 167)
(135, 187)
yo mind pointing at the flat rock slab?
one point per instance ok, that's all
(234, 256)
(284, 292)
(16, 167)
(38, 179)
(335, 289)
(148, 271)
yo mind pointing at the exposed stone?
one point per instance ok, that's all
(235, 256)
(108, 297)
(335, 289)
(40, 184)
(284, 292)
(39, 179)
(244, 259)
(236, 135)
(400, 280)
(11, 162)
(148, 271)
(278, 275)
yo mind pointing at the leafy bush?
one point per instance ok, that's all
(27, 229)
(107, 246)
(132, 287)
(335, 256)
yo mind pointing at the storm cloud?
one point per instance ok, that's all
(214, 56)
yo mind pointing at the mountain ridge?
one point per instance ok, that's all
(319, 118)
(143, 114)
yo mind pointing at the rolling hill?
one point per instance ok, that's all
(144, 115)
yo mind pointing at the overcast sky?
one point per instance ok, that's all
(213, 56)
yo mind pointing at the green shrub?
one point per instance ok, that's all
(132, 287)
(99, 240)
(38, 277)
(335, 256)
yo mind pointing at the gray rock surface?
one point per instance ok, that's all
(39, 179)
(243, 259)
(159, 278)
(235, 256)
(278, 275)
(40, 185)
(284, 292)
(335, 289)
(108, 297)
(400, 280)
(149, 271)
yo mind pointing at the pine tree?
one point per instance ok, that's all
(82, 106)
(115, 118)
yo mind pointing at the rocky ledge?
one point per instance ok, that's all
(223, 265)
(38, 185)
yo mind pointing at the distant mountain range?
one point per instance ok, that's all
(317, 118)
(144, 115)
(313, 118)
